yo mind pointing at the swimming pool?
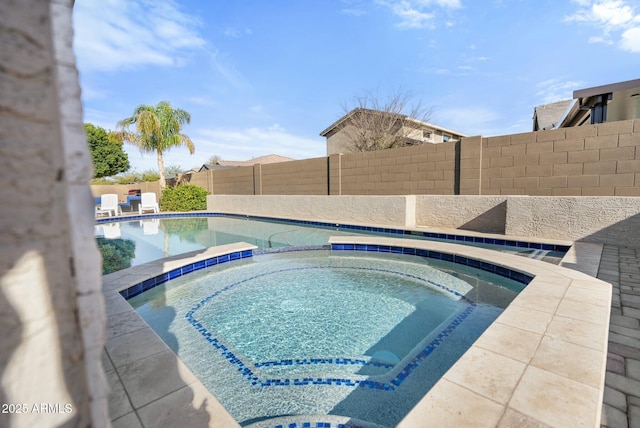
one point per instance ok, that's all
(363, 335)
(131, 242)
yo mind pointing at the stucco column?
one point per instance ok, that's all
(471, 165)
(52, 321)
(335, 174)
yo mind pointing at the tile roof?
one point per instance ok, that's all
(547, 116)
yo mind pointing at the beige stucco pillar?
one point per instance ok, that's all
(52, 326)
(470, 165)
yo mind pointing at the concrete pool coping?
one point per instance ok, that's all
(542, 361)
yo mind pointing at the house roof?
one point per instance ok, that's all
(547, 116)
(622, 103)
(604, 89)
(266, 159)
(419, 123)
(272, 158)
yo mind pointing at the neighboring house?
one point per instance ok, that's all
(607, 103)
(340, 134)
(221, 164)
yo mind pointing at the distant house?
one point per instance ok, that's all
(607, 103)
(222, 164)
(413, 131)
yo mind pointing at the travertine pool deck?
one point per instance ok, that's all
(541, 363)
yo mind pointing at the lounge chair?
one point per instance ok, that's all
(111, 231)
(149, 203)
(150, 226)
(108, 205)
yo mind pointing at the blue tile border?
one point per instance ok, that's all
(392, 231)
(150, 283)
(250, 375)
(337, 361)
(521, 277)
(316, 424)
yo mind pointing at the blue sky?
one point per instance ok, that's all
(262, 77)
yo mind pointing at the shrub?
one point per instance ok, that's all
(101, 180)
(186, 197)
(128, 178)
(150, 175)
(116, 254)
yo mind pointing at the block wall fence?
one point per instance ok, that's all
(593, 160)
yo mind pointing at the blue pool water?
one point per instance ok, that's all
(355, 334)
(130, 243)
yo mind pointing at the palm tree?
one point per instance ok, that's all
(157, 130)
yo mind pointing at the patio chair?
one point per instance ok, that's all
(150, 226)
(149, 203)
(108, 205)
(111, 231)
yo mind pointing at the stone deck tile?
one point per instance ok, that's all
(621, 403)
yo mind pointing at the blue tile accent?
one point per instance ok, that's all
(518, 276)
(428, 235)
(248, 372)
(447, 257)
(136, 289)
(149, 283)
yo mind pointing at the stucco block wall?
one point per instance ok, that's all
(392, 211)
(235, 181)
(303, 177)
(203, 179)
(592, 160)
(52, 321)
(424, 169)
(477, 213)
(596, 160)
(605, 220)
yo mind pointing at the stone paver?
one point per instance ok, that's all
(621, 407)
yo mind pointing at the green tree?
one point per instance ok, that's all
(107, 156)
(173, 170)
(214, 159)
(157, 130)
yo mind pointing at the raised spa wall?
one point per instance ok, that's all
(601, 219)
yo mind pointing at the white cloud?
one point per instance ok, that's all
(557, 89)
(616, 20)
(247, 143)
(91, 93)
(236, 32)
(354, 12)
(417, 14)
(203, 100)
(470, 120)
(630, 40)
(227, 70)
(103, 119)
(114, 34)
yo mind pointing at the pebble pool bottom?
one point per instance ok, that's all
(362, 335)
